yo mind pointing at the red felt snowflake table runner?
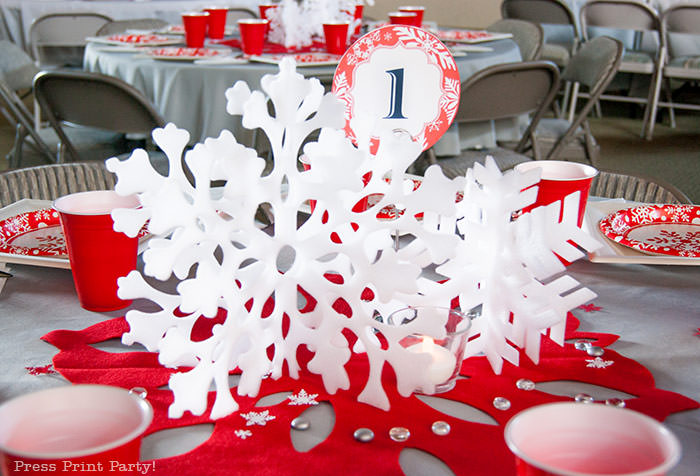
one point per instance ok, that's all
(256, 440)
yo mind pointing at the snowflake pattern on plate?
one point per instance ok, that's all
(243, 434)
(36, 233)
(590, 307)
(303, 398)
(656, 229)
(599, 363)
(471, 36)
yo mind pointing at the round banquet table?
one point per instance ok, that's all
(192, 95)
(653, 308)
(18, 15)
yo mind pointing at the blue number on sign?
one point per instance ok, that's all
(396, 94)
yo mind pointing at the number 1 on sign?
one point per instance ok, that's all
(395, 109)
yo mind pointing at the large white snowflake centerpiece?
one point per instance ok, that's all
(207, 239)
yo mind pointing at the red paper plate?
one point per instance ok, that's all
(399, 77)
(656, 229)
(136, 40)
(471, 36)
(185, 54)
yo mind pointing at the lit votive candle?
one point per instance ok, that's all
(443, 364)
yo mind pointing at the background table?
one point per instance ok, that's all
(18, 15)
(653, 308)
(192, 95)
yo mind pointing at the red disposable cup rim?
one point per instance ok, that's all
(674, 446)
(336, 23)
(410, 8)
(219, 7)
(253, 21)
(402, 14)
(143, 406)
(585, 171)
(195, 14)
(61, 204)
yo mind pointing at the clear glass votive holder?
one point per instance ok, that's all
(447, 352)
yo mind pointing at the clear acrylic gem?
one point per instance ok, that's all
(365, 435)
(501, 403)
(582, 344)
(525, 384)
(441, 428)
(399, 433)
(615, 402)
(139, 392)
(595, 351)
(301, 424)
(583, 398)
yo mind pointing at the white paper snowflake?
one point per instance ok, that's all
(599, 363)
(303, 398)
(209, 241)
(257, 418)
(243, 434)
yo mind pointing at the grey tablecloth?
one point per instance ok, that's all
(653, 308)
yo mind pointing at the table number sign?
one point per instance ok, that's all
(398, 77)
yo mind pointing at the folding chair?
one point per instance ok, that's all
(120, 26)
(527, 35)
(92, 100)
(637, 188)
(593, 66)
(48, 182)
(57, 40)
(503, 91)
(681, 21)
(639, 18)
(234, 14)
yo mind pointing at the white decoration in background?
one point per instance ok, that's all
(303, 398)
(296, 23)
(257, 418)
(223, 260)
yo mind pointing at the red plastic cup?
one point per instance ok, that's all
(419, 11)
(73, 429)
(264, 7)
(403, 18)
(195, 28)
(568, 438)
(253, 35)
(559, 179)
(216, 22)
(336, 37)
(357, 17)
(98, 254)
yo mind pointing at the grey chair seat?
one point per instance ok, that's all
(638, 62)
(636, 188)
(555, 53)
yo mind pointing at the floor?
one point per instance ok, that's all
(673, 155)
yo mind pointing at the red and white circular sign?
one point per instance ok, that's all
(398, 77)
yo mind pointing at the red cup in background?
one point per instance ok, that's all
(66, 429)
(216, 22)
(98, 255)
(336, 35)
(559, 179)
(253, 35)
(195, 28)
(579, 439)
(357, 17)
(403, 18)
(264, 7)
(419, 11)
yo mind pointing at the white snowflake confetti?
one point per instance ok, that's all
(303, 398)
(224, 260)
(599, 363)
(243, 434)
(257, 418)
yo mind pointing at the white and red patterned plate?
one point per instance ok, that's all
(672, 230)
(398, 77)
(301, 59)
(136, 39)
(392, 212)
(471, 36)
(174, 53)
(36, 233)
